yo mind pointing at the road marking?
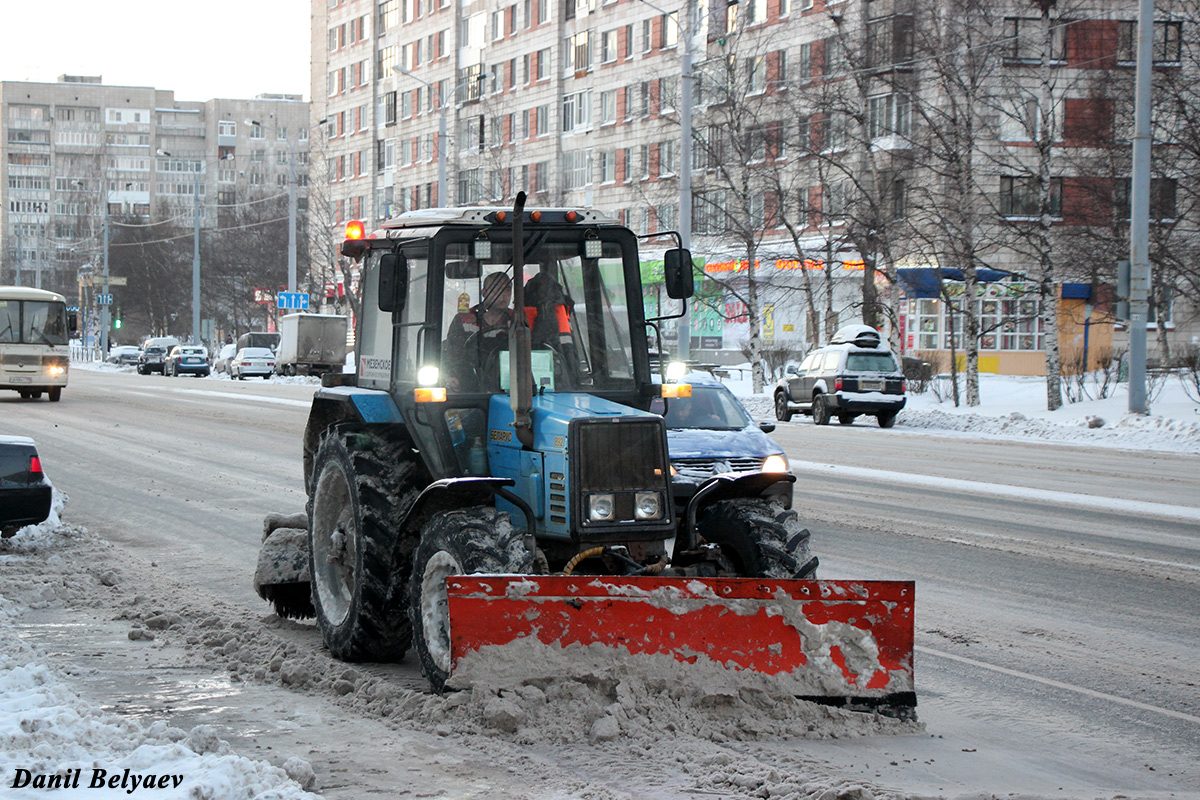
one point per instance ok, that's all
(1060, 685)
(280, 401)
(1089, 551)
(1187, 513)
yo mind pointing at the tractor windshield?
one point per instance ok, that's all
(578, 311)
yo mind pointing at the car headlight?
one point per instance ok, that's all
(775, 464)
(648, 505)
(600, 507)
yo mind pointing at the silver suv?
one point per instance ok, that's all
(854, 374)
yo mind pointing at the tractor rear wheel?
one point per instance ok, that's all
(460, 542)
(363, 484)
(761, 538)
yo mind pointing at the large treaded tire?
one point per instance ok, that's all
(363, 486)
(460, 542)
(762, 538)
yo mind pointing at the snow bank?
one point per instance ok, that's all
(50, 738)
(1015, 407)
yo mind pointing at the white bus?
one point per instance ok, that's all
(33, 342)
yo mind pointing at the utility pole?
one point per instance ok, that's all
(291, 261)
(1139, 212)
(104, 308)
(196, 255)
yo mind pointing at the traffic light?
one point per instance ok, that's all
(117, 320)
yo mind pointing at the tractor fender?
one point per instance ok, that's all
(338, 405)
(767, 485)
(449, 494)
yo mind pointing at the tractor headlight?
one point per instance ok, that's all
(648, 505)
(775, 464)
(428, 376)
(600, 507)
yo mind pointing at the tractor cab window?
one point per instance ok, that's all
(577, 309)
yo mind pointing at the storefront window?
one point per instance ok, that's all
(1004, 324)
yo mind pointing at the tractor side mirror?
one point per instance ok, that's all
(393, 282)
(677, 271)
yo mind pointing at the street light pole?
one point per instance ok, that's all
(443, 192)
(1139, 216)
(442, 196)
(196, 254)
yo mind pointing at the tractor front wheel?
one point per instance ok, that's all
(460, 542)
(761, 538)
(359, 491)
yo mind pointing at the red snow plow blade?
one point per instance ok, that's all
(839, 642)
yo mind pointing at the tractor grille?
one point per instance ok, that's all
(618, 458)
(619, 454)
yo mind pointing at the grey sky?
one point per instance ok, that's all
(201, 50)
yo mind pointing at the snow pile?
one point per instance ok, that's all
(50, 737)
(1015, 407)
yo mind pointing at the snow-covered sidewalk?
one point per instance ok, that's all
(51, 738)
(1015, 407)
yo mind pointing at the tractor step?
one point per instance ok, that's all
(842, 642)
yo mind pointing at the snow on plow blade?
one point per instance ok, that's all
(840, 642)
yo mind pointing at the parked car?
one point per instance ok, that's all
(251, 361)
(224, 356)
(711, 433)
(124, 355)
(24, 491)
(854, 374)
(187, 359)
(152, 359)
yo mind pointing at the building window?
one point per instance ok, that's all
(579, 52)
(889, 41)
(1019, 197)
(577, 111)
(1162, 199)
(670, 28)
(608, 107)
(608, 47)
(668, 157)
(756, 75)
(1022, 40)
(577, 169)
(889, 115)
(608, 166)
(833, 203)
(1168, 38)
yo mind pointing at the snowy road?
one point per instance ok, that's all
(1057, 586)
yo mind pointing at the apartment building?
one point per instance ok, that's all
(77, 151)
(836, 144)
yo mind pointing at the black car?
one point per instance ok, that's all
(854, 374)
(24, 490)
(152, 359)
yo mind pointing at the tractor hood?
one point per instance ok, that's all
(552, 414)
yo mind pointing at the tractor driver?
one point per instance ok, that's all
(476, 337)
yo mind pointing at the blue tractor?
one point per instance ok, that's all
(479, 437)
